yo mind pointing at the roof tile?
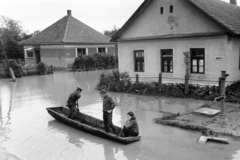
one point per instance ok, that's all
(226, 14)
(67, 30)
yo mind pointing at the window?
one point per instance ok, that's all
(161, 10)
(171, 9)
(102, 50)
(30, 53)
(139, 61)
(81, 51)
(167, 60)
(197, 60)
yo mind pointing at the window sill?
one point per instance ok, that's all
(167, 72)
(197, 73)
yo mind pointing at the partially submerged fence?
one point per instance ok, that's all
(35, 71)
(160, 79)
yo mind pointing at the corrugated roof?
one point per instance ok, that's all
(225, 14)
(67, 30)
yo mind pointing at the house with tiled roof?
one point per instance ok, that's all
(60, 43)
(154, 38)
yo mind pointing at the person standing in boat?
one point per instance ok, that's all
(131, 126)
(108, 106)
(72, 102)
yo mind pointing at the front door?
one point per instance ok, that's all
(37, 55)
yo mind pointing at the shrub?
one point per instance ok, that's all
(97, 60)
(17, 69)
(121, 82)
(41, 68)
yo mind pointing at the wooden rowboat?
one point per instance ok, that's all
(88, 124)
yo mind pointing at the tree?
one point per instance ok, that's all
(11, 32)
(111, 33)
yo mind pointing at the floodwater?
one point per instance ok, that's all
(28, 132)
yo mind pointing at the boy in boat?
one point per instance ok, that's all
(72, 102)
(131, 126)
(108, 106)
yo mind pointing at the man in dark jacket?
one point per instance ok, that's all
(108, 106)
(72, 102)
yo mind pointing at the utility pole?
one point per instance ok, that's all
(8, 65)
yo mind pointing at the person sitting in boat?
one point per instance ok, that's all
(72, 102)
(108, 106)
(131, 126)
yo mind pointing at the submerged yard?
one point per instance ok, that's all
(28, 130)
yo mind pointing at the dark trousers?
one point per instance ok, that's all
(73, 111)
(128, 132)
(107, 120)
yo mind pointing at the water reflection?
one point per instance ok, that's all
(5, 108)
(236, 156)
(28, 130)
(104, 149)
(157, 104)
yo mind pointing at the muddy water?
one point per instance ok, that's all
(28, 132)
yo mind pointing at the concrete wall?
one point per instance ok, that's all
(63, 55)
(29, 60)
(58, 57)
(214, 47)
(111, 50)
(186, 19)
(233, 59)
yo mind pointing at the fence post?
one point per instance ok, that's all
(159, 81)
(51, 69)
(186, 84)
(137, 79)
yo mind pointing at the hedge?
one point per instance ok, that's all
(121, 82)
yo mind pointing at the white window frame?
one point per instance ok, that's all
(81, 48)
(29, 49)
(106, 51)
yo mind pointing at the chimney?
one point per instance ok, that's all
(69, 13)
(233, 2)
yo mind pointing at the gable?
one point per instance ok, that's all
(185, 18)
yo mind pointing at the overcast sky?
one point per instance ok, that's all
(99, 14)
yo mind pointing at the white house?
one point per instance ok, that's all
(154, 38)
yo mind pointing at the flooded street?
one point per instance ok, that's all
(28, 132)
